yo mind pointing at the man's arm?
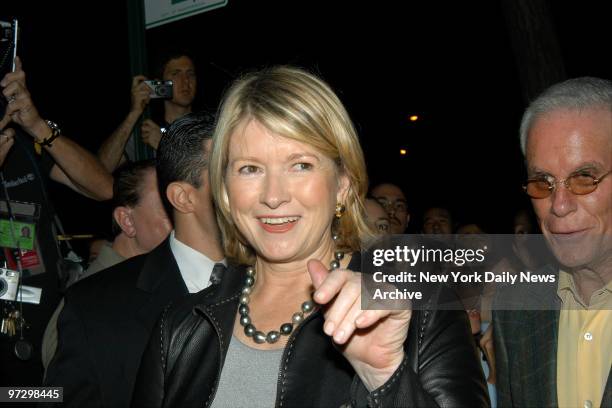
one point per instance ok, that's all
(111, 151)
(75, 166)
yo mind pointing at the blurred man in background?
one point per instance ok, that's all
(393, 200)
(437, 220)
(177, 67)
(140, 222)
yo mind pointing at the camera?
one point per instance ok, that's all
(9, 280)
(9, 34)
(160, 89)
(6, 31)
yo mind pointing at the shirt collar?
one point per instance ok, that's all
(195, 267)
(567, 287)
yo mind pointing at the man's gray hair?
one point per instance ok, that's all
(573, 94)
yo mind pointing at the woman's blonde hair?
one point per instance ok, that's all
(295, 104)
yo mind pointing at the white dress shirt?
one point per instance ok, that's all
(195, 267)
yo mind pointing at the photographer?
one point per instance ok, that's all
(176, 67)
(74, 166)
(30, 154)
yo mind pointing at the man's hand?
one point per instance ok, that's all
(6, 142)
(20, 108)
(371, 340)
(151, 133)
(487, 346)
(140, 94)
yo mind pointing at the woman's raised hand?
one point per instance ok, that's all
(371, 340)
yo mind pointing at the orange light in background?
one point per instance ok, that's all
(403, 152)
(414, 118)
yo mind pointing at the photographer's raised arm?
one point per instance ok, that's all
(75, 166)
(111, 151)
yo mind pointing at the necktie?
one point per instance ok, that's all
(217, 273)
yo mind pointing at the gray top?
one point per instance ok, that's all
(249, 377)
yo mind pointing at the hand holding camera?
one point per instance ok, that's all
(143, 90)
(140, 94)
(20, 108)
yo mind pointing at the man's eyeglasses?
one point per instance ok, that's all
(579, 184)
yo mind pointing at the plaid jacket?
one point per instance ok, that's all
(526, 347)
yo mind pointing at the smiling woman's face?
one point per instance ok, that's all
(282, 194)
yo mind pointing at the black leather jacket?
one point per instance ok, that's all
(184, 359)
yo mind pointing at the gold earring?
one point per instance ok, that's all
(339, 210)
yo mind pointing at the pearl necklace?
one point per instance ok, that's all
(285, 329)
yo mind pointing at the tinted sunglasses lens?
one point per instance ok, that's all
(538, 189)
(580, 184)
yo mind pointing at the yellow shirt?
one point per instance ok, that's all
(584, 353)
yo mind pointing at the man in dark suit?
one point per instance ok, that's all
(108, 317)
(558, 353)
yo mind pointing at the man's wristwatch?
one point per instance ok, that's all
(55, 133)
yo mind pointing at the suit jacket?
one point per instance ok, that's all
(107, 258)
(105, 325)
(526, 347)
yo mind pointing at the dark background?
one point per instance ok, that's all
(451, 63)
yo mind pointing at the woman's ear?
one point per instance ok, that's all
(180, 195)
(343, 188)
(123, 218)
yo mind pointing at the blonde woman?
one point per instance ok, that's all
(284, 326)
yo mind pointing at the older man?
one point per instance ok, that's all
(562, 357)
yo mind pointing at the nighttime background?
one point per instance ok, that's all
(450, 63)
